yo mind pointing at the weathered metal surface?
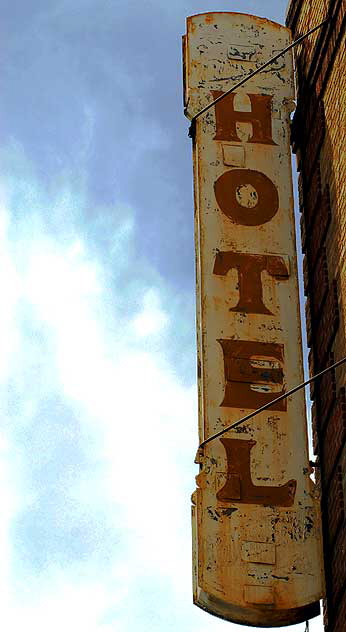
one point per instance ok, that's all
(256, 526)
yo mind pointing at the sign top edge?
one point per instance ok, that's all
(257, 18)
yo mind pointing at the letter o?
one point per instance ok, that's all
(229, 183)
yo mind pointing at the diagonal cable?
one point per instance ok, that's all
(255, 72)
(269, 404)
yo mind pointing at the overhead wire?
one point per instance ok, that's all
(269, 404)
(259, 69)
(191, 133)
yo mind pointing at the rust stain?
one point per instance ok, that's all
(209, 18)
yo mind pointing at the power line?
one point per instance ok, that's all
(191, 133)
(252, 74)
(269, 404)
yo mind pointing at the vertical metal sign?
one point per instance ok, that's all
(256, 525)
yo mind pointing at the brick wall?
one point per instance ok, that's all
(318, 132)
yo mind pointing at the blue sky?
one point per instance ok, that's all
(97, 364)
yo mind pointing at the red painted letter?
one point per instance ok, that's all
(239, 486)
(262, 194)
(249, 269)
(260, 118)
(253, 371)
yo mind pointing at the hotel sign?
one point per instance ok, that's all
(256, 525)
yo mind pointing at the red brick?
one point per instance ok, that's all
(335, 504)
(335, 30)
(325, 393)
(308, 321)
(338, 568)
(306, 277)
(317, 141)
(312, 196)
(303, 232)
(326, 326)
(312, 372)
(334, 436)
(340, 617)
(319, 284)
(325, 612)
(320, 227)
(314, 141)
(315, 428)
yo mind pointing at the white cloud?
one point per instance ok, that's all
(137, 423)
(151, 319)
(10, 292)
(138, 414)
